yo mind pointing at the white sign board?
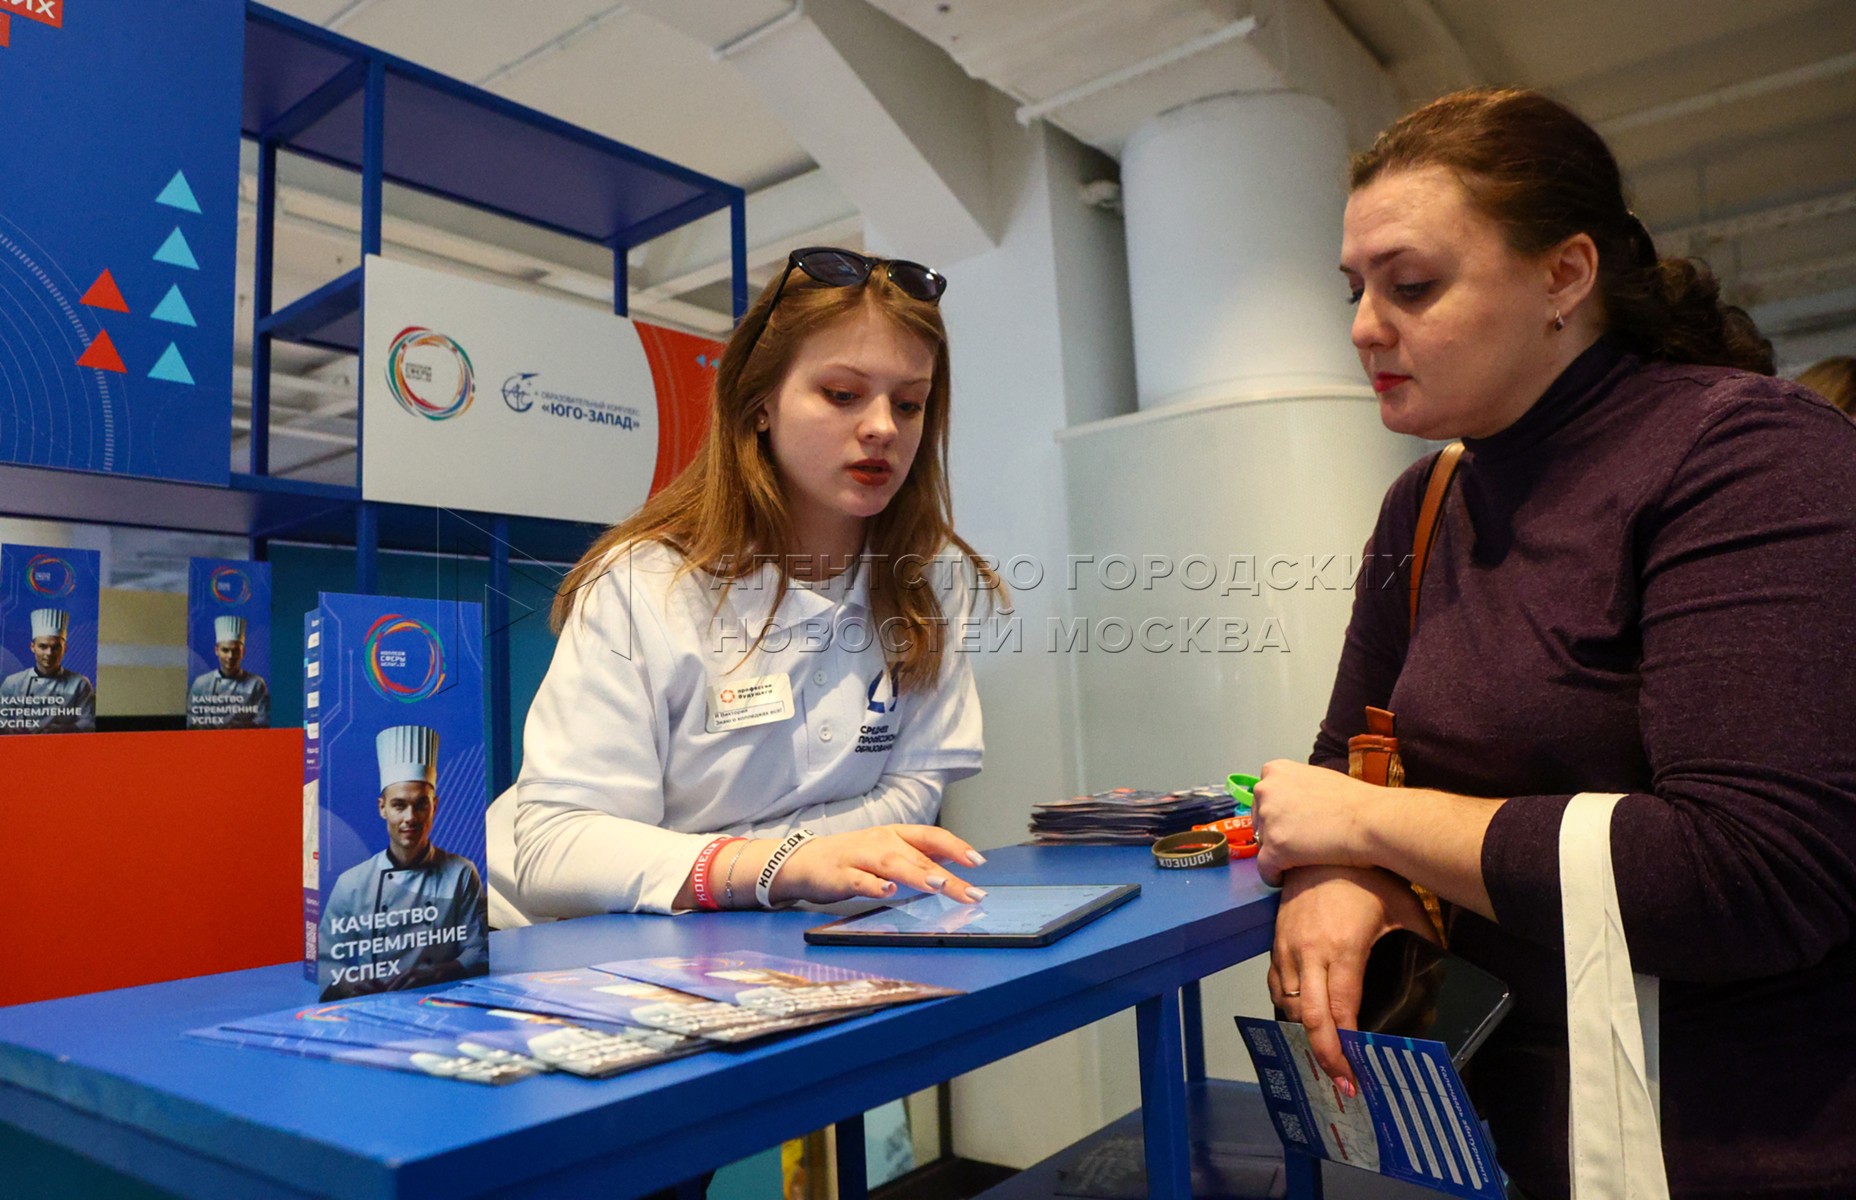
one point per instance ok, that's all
(485, 398)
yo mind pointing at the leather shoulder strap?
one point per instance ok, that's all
(1442, 472)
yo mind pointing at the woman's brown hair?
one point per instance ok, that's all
(727, 515)
(1534, 167)
(1835, 380)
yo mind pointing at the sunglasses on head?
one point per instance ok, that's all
(834, 267)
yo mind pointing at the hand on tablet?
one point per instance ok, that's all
(875, 862)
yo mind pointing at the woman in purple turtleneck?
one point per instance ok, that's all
(1644, 581)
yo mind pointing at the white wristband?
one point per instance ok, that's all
(763, 887)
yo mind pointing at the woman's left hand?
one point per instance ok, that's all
(1310, 816)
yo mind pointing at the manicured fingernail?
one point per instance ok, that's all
(976, 893)
(975, 858)
(937, 882)
(1346, 1088)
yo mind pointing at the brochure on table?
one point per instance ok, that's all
(1412, 1120)
(228, 644)
(394, 795)
(48, 639)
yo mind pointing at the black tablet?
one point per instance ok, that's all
(1008, 916)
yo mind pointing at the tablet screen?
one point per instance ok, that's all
(1007, 911)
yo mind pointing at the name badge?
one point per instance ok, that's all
(743, 703)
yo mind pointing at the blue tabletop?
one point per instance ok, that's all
(317, 1128)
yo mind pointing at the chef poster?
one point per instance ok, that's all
(396, 772)
(228, 644)
(48, 639)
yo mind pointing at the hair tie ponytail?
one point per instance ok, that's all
(1643, 247)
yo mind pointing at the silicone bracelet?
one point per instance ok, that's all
(699, 874)
(1194, 848)
(763, 887)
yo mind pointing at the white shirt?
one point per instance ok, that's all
(623, 783)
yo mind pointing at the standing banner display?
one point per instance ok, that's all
(118, 234)
(485, 398)
(228, 644)
(48, 639)
(395, 790)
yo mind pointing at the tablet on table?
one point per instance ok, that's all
(1034, 915)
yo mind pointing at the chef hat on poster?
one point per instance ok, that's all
(228, 629)
(50, 622)
(407, 753)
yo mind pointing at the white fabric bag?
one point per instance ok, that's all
(1616, 1139)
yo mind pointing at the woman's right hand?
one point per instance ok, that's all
(1326, 924)
(872, 862)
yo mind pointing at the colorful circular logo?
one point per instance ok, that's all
(404, 658)
(49, 575)
(429, 374)
(229, 585)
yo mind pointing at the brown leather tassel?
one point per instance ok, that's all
(1372, 757)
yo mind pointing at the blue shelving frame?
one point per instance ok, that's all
(311, 92)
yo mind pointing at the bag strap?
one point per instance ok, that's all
(1442, 472)
(1615, 1140)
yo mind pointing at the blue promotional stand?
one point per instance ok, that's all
(311, 92)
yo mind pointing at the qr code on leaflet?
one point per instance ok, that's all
(1264, 1043)
(1278, 1084)
(1292, 1127)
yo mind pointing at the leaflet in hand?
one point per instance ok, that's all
(1412, 1120)
(584, 992)
(558, 1043)
(776, 986)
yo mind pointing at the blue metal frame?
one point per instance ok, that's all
(313, 318)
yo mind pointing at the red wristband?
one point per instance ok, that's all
(699, 875)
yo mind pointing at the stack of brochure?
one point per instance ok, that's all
(588, 1021)
(1126, 816)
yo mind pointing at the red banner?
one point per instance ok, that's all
(45, 12)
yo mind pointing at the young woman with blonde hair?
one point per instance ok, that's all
(756, 696)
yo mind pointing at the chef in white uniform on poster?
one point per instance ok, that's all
(229, 697)
(414, 914)
(45, 697)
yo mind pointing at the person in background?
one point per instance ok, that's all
(1835, 380)
(756, 696)
(1642, 582)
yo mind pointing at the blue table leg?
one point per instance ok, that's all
(1192, 1012)
(1302, 1174)
(853, 1176)
(693, 1189)
(1163, 1097)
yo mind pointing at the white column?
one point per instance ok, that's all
(1233, 220)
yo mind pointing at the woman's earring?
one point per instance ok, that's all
(1559, 322)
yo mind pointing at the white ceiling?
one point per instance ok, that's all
(1775, 155)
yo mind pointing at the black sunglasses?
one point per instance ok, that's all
(834, 267)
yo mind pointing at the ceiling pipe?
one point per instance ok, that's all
(1766, 219)
(758, 34)
(553, 46)
(1236, 29)
(1829, 68)
(347, 15)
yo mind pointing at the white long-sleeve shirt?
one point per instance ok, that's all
(625, 776)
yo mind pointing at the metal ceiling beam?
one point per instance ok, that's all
(553, 46)
(1726, 228)
(1243, 27)
(1829, 68)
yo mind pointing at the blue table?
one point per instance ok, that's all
(110, 1076)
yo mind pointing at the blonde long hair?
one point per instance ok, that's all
(726, 513)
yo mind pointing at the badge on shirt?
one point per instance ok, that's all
(743, 703)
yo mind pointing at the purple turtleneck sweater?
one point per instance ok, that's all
(1647, 585)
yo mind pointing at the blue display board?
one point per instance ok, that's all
(118, 236)
(395, 792)
(48, 639)
(228, 644)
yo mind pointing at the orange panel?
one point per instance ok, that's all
(130, 858)
(683, 368)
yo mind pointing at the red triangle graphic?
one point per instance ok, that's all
(105, 294)
(102, 355)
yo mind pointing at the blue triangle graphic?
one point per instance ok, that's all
(177, 252)
(178, 195)
(173, 309)
(172, 367)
